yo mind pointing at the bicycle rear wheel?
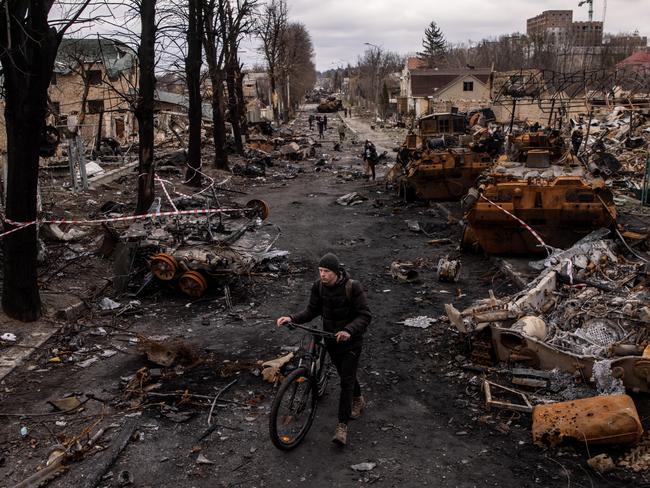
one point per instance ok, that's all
(293, 410)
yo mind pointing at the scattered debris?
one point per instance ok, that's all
(420, 322)
(601, 463)
(364, 466)
(8, 337)
(201, 459)
(351, 199)
(108, 304)
(404, 272)
(509, 399)
(271, 370)
(167, 352)
(448, 270)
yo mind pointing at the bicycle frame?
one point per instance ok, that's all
(315, 350)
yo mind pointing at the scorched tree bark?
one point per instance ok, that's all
(144, 105)
(28, 47)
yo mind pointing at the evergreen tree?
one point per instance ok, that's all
(434, 44)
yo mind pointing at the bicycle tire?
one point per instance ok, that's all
(324, 373)
(307, 391)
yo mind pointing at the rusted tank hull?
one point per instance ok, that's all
(442, 185)
(560, 212)
(443, 175)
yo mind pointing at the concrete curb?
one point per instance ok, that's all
(31, 336)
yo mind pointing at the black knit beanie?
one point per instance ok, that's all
(330, 261)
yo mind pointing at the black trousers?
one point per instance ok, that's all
(346, 362)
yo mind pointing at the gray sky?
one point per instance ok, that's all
(339, 28)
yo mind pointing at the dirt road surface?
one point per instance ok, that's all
(425, 422)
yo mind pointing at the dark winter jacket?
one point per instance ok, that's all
(338, 312)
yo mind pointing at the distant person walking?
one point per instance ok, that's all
(370, 159)
(341, 131)
(311, 121)
(324, 122)
(320, 125)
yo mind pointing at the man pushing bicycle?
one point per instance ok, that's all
(342, 304)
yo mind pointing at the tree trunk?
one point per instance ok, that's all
(144, 105)
(233, 107)
(274, 98)
(193, 74)
(218, 123)
(27, 63)
(216, 78)
(242, 102)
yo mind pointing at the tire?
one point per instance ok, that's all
(325, 371)
(296, 402)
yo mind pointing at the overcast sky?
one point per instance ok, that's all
(339, 28)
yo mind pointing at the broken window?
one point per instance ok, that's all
(468, 86)
(56, 108)
(95, 106)
(53, 80)
(95, 77)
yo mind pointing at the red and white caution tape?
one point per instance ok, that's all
(20, 227)
(523, 224)
(202, 211)
(162, 184)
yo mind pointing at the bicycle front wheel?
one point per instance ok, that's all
(293, 410)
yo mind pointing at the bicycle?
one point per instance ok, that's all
(294, 406)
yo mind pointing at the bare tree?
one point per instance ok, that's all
(214, 53)
(373, 68)
(236, 21)
(271, 26)
(144, 105)
(28, 47)
(193, 73)
(297, 72)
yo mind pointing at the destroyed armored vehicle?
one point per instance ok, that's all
(330, 104)
(195, 253)
(440, 162)
(539, 193)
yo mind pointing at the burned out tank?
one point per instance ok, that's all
(440, 161)
(329, 105)
(544, 186)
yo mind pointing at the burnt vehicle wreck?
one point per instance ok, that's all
(539, 195)
(441, 162)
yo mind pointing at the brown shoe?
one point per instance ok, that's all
(341, 434)
(358, 404)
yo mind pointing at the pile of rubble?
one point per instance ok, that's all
(578, 337)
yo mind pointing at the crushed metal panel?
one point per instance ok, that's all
(597, 420)
(514, 347)
(540, 295)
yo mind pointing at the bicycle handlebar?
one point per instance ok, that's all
(320, 332)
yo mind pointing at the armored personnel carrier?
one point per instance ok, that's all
(441, 161)
(541, 191)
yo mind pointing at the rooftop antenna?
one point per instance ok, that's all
(591, 8)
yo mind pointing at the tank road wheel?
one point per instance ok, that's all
(257, 208)
(193, 284)
(164, 266)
